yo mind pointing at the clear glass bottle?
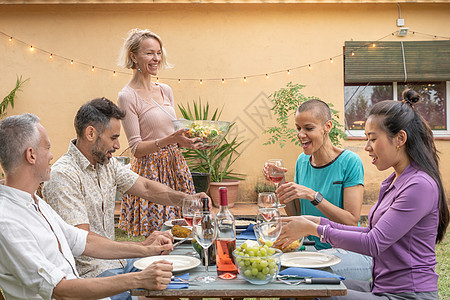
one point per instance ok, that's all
(226, 239)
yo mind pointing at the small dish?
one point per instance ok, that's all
(171, 223)
(309, 260)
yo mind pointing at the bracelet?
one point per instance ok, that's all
(157, 145)
(322, 236)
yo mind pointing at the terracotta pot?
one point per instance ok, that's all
(232, 191)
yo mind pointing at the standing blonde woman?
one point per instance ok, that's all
(149, 108)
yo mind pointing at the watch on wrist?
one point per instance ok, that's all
(318, 197)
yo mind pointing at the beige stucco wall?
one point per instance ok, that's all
(203, 41)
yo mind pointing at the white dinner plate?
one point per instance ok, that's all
(180, 262)
(308, 260)
(168, 223)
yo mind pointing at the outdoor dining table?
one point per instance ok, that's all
(239, 287)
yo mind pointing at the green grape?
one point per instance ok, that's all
(261, 276)
(269, 243)
(265, 270)
(255, 264)
(251, 252)
(264, 263)
(241, 264)
(248, 273)
(255, 271)
(238, 249)
(271, 251)
(247, 262)
(244, 246)
(263, 252)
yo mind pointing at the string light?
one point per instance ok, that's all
(71, 61)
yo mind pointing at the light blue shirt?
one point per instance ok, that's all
(330, 180)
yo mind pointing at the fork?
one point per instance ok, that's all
(181, 280)
(285, 279)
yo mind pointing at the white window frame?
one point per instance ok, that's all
(436, 133)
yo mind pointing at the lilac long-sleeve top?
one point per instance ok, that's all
(401, 234)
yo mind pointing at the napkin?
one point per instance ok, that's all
(177, 286)
(309, 273)
(247, 234)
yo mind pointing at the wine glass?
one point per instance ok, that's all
(275, 173)
(268, 231)
(267, 214)
(268, 200)
(205, 231)
(191, 205)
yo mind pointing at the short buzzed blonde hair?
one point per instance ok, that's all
(132, 44)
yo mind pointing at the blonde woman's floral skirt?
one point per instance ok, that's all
(168, 166)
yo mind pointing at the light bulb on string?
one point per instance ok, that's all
(267, 76)
(245, 79)
(331, 60)
(71, 61)
(289, 72)
(114, 73)
(201, 81)
(31, 48)
(179, 80)
(373, 45)
(51, 55)
(93, 69)
(10, 38)
(309, 67)
(223, 81)
(157, 79)
(353, 53)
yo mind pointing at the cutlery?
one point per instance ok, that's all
(183, 240)
(295, 280)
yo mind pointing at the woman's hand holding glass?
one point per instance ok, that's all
(274, 171)
(191, 205)
(205, 232)
(291, 191)
(295, 228)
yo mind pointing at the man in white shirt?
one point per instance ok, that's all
(37, 247)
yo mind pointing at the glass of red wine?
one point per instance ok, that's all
(275, 172)
(191, 205)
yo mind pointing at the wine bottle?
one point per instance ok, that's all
(226, 239)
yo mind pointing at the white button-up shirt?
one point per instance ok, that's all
(31, 263)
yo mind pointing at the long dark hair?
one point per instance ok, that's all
(420, 147)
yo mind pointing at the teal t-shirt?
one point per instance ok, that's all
(330, 180)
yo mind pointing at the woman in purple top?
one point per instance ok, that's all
(411, 214)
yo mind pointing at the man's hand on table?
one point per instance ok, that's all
(156, 276)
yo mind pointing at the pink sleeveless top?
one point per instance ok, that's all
(144, 120)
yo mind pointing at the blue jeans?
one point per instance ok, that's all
(112, 272)
(353, 265)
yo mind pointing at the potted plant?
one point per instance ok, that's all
(286, 101)
(216, 161)
(9, 101)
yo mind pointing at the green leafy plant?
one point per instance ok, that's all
(286, 101)
(9, 99)
(218, 160)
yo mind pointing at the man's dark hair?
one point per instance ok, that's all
(96, 113)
